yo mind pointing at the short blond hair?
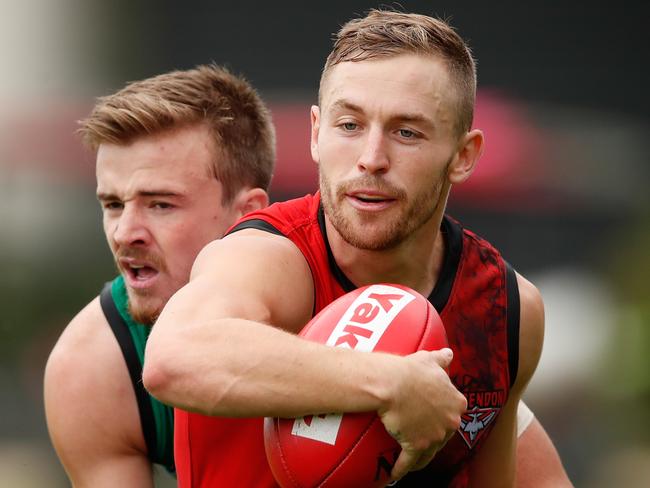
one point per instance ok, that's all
(238, 119)
(383, 33)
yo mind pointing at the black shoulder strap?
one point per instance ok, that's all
(124, 339)
(337, 272)
(258, 224)
(513, 314)
(452, 233)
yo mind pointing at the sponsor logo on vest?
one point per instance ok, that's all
(360, 328)
(483, 408)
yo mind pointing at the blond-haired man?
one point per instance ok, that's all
(180, 157)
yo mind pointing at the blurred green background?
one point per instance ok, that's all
(562, 188)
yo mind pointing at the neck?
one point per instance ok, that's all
(416, 262)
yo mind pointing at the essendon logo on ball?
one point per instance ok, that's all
(483, 408)
(368, 317)
(361, 326)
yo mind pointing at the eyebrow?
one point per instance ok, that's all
(102, 196)
(342, 104)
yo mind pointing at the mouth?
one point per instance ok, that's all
(138, 274)
(370, 200)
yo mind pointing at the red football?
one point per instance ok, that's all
(352, 449)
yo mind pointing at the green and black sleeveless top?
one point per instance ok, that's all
(157, 420)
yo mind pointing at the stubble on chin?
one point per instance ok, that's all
(143, 309)
(378, 233)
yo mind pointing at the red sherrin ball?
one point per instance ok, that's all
(352, 450)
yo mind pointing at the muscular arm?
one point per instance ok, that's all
(213, 350)
(90, 406)
(225, 345)
(494, 465)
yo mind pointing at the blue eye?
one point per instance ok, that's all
(406, 133)
(162, 205)
(349, 126)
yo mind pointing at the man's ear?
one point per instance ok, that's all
(470, 148)
(315, 127)
(249, 200)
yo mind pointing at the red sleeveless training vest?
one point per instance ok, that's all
(478, 301)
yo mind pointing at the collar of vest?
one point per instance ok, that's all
(453, 240)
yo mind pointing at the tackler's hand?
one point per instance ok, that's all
(424, 411)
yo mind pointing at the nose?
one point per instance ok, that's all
(130, 228)
(374, 157)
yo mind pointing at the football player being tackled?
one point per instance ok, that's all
(97, 447)
(391, 135)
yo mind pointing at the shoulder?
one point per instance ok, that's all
(86, 382)
(244, 251)
(531, 305)
(86, 348)
(87, 332)
(531, 329)
(471, 238)
(283, 217)
(469, 248)
(255, 275)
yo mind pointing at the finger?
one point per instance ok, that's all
(447, 439)
(404, 463)
(425, 459)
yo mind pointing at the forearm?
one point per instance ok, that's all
(243, 368)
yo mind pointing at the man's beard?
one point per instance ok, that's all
(395, 228)
(144, 315)
(149, 309)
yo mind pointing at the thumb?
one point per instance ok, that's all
(443, 357)
(404, 463)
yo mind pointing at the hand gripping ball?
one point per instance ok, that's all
(352, 450)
